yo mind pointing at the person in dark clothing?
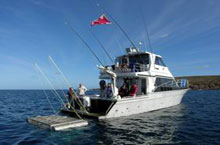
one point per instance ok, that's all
(123, 90)
(102, 85)
(109, 92)
(70, 96)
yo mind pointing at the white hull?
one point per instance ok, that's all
(146, 103)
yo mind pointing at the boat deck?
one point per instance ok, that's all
(56, 122)
(86, 114)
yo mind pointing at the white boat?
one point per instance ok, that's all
(157, 88)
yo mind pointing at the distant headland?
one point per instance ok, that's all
(203, 82)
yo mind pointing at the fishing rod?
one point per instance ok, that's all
(46, 78)
(122, 30)
(86, 44)
(147, 38)
(119, 26)
(58, 70)
(52, 62)
(100, 44)
(47, 97)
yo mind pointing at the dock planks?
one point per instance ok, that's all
(56, 122)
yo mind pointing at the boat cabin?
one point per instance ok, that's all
(128, 85)
(145, 69)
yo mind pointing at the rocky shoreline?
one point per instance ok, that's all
(203, 82)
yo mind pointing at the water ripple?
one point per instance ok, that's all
(195, 121)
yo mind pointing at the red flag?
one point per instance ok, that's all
(101, 20)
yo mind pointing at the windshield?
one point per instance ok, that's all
(139, 58)
(159, 61)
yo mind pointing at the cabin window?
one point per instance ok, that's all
(159, 61)
(141, 59)
(165, 84)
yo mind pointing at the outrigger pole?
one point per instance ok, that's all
(122, 30)
(100, 44)
(86, 44)
(47, 97)
(65, 80)
(146, 30)
(46, 78)
(58, 70)
(119, 26)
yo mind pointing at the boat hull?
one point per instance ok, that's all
(146, 103)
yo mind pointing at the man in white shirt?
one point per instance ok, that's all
(81, 91)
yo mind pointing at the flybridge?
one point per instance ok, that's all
(136, 61)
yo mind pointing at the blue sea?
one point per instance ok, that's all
(195, 121)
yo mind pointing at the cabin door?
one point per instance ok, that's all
(143, 86)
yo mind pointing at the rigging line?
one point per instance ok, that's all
(51, 106)
(124, 34)
(47, 97)
(119, 26)
(100, 44)
(120, 47)
(39, 69)
(59, 72)
(42, 81)
(147, 38)
(146, 42)
(53, 91)
(122, 30)
(52, 62)
(86, 44)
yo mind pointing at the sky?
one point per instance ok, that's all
(186, 33)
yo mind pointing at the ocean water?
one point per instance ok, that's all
(195, 121)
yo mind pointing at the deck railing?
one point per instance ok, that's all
(131, 68)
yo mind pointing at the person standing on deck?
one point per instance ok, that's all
(123, 90)
(109, 92)
(70, 96)
(81, 92)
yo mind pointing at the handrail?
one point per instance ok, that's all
(132, 68)
(161, 85)
(177, 82)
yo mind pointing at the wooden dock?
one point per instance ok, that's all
(56, 122)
